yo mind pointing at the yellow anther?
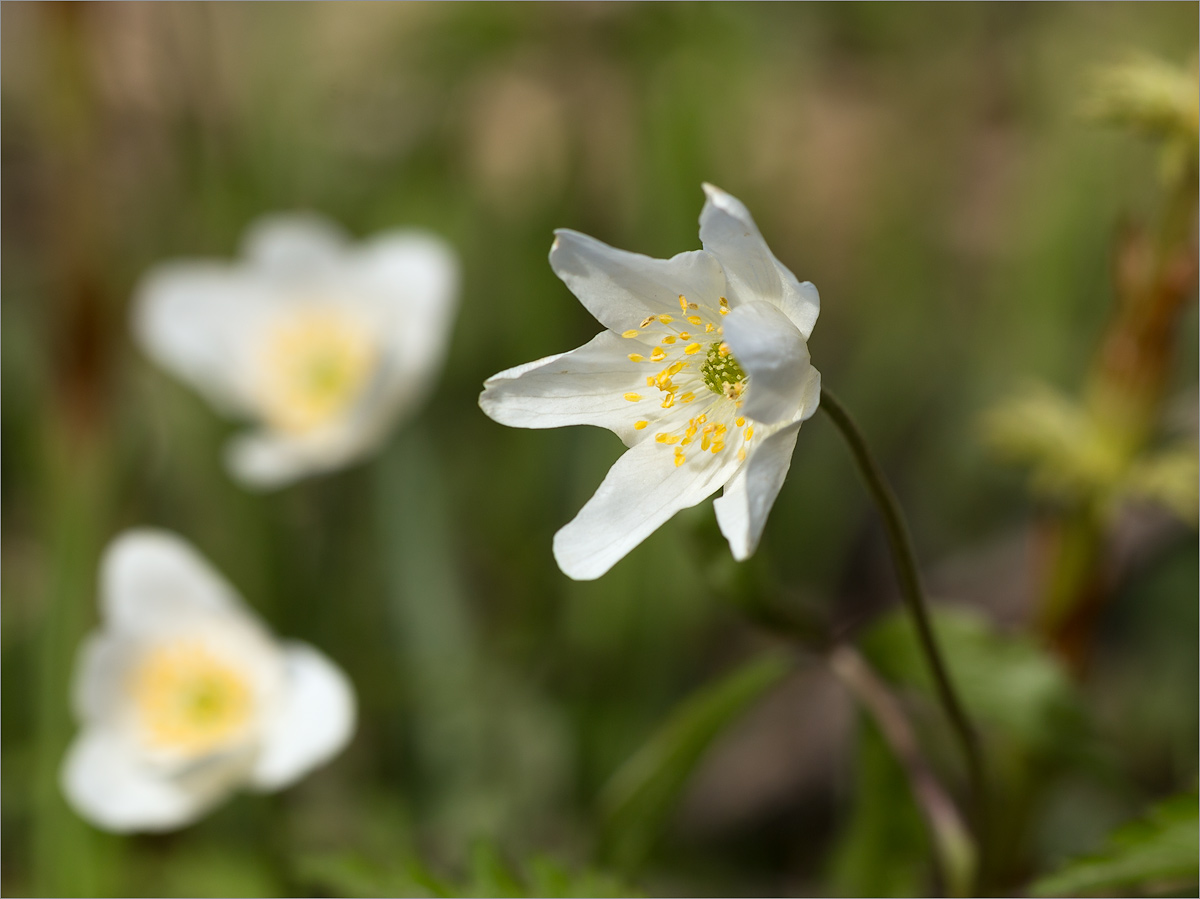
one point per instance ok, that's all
(720, 430)
(749, 433)
(649, 380)
(667, 438)
(705, 440)
(692, 349)
(684, 335)
(717, 446)
(633, 397)
(723, 349)
(635, 357)
(632, 332)
(709, 327)
(647, 320)
(682, 304)
(658, 353)
(670, 338)
(680, 458)
(687, 397)
(666, 319)
(740, 422)
(724, 303)
(685, 441)
(708, 429)
(693, 306)
(695, 320)
(639, 425)
(668, 401)
(724, 310)
(701, 418)
(742, 454)
(675, 368)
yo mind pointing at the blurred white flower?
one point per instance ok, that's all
(322, 343)
(703, 372)
(183, 695)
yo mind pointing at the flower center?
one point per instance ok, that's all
(188, 699)
(316, 366)
(721, 372)
(696, 367)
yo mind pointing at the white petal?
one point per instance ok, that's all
(152, 580)
(200, 321)
(729, 233)
(621, 288)
(743, 507)
(294, 245)
(268, 460)
(101, 668)
(104, 782)
(774, 356)
(313, 723)
(586, 386)
(407, 284)
(641, 491)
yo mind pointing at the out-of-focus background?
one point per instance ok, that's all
(974, 229)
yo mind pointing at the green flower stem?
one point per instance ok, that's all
(910, 588)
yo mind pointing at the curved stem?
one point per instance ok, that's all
(910, 588)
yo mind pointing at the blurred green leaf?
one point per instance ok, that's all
(883, 849)
(1170, 478)
(1153, 855)
(1006, 681)
(638, 798)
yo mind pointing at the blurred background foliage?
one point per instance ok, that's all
(937, 170)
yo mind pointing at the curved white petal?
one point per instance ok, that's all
(200, 320)
(313, 723)
(640, 492)
(406, 284)
(104, 782)
(586, 386)
(774, 355)
(294, 245)
(621, 288)
(267, 460)
(152, 580)
(743, 507)
(728, 232)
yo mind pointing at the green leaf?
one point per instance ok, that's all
(1153, 855)
(638, 798)
(883, 850)
(1007, 682)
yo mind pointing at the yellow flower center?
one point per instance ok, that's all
(190, 700)
(697, 367)
(316, 366)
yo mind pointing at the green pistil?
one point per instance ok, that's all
(720, 371)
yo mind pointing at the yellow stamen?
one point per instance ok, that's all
(692, 349)
(709, 327)
(684, 335)
(666, 438)
(740, 422)
(682, 304)
(647, 320)
(657, 354)
(687, 397)
(670, 338)
(742, 454)
(632, 332)
(680, 458)
(717, 446)
(635, 357)
(640, 425)
(666, 319)
(633, 397)
(723, 349)
(749, 433)
(695, 320)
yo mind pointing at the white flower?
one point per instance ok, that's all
(322, 343)
(184, 695)
(703, 372)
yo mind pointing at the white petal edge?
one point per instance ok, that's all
(621, 288)
(774, 355)
(294, 244)
(743, 507)
(727, 230)
(263, 459)
(640, 492)
(104, 783)
(152, 579)
(586, 386)
(199, 321)
(313, 723)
